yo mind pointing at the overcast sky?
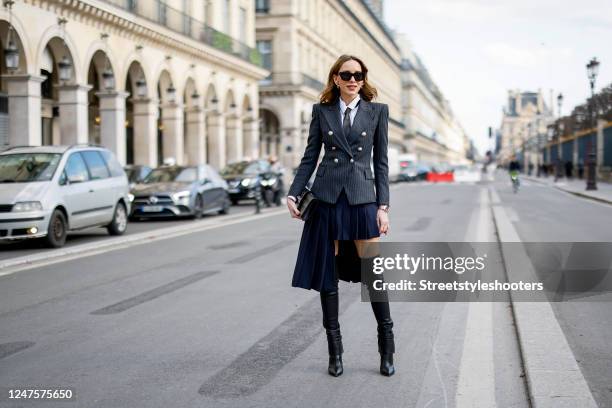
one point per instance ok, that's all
(475, 50)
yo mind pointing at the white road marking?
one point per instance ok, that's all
(552, 374)
(476, 384)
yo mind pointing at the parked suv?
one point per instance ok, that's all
(180, 191)
(49, 190)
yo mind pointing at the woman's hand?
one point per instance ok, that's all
(382, 219)
(295, 213)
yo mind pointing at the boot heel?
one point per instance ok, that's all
(386, 364)
(335, 368)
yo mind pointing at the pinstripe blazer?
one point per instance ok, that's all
(346, 162)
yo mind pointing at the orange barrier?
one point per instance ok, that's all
(436, 177)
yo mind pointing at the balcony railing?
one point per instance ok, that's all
(159, 12)
(312, 83)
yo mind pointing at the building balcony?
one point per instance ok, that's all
(159, 12)
(276, 79)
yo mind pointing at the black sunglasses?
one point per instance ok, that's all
(346, 75)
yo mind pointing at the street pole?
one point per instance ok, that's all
(557, 164)
(592, 70)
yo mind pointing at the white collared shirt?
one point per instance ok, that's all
(353, 105)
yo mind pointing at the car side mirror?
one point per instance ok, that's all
(62, 180)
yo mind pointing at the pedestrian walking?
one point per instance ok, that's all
(569, 169)
(352, 201)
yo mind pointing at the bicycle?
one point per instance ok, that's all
(514, 176)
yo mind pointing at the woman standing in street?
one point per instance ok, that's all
(353, 203)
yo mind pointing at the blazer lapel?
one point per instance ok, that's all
(362, 118)
(332, 115)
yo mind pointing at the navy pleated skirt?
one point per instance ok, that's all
(315, 263)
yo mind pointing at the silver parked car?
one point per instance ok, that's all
(49, 190)
(180, 191)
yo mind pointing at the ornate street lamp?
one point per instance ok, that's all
(11, 55)
(65, 69)
(592, 71)
(65, 66)
(108, 79)
(11, 52)
(559, 103)
(141, 87)
(195, 97)
(171, 94)
(214, 103)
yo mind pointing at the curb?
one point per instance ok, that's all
(553, 376)
(583, 195)
(93, 248)
(576, 193)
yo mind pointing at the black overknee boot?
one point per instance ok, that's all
(329, 305)
(386, 342)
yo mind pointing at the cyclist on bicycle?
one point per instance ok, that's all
(513, 169)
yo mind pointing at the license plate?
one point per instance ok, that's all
(233, 190)
(152, 208)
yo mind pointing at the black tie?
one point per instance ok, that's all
(346, 123)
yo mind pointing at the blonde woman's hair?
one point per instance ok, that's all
(331, 93)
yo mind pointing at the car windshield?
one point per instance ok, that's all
(241, 168)
(179, 174)
(133, 173)
(27, 167)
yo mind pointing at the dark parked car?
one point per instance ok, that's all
(415, 172)
(244, 177)
(180, 191)
(136, 173)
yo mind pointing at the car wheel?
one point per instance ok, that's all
(226, 207)
(58, 229)
(120, 219)
(198, 208)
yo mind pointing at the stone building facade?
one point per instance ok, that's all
(299, 41)
(433, 131)
(525, 117)
(149, 79)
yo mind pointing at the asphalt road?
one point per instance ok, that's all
(545, 214)
(12, 249)
(210, 319)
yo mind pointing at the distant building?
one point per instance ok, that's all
(147, 79)
(299, 41)
(525, 119)
(433, 132)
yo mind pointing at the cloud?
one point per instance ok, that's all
(469, 10)
(525, 57)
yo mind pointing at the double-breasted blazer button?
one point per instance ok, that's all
(360, 148)
(363, 133)
(330, 133)
(336, 160)
(352, 160)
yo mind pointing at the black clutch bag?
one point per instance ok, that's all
(306, 202)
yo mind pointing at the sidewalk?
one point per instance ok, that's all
(577, 187)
